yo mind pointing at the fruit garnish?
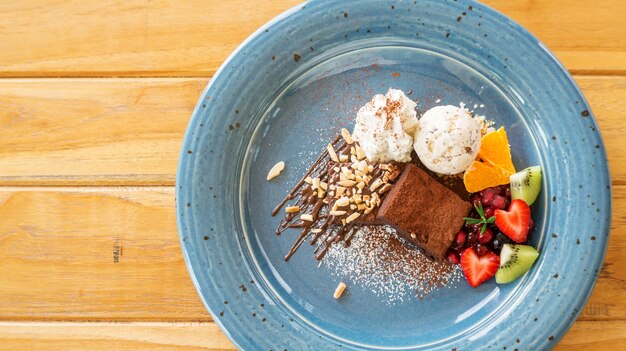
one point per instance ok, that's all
(477, 269)
(515, 260)
(514, 223)
(526, 184)
(493, 166)
(482, 220)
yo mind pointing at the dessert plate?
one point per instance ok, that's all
(287, 91)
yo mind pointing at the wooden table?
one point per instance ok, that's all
(94, 100)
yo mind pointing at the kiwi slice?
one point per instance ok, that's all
(515, 260)
(526, 184)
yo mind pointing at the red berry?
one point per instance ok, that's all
(471, 238)
(489, 212)
(486, 236)
(460, 238)
(531, 224)
(452, 257)
(507, 192)
(514, 223)
(481, 250)
(487, 198)
(499, 202)
(478, 269)
(475, 199)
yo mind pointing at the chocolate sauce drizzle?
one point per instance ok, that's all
(329, 228)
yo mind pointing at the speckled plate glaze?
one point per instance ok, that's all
(288, 89)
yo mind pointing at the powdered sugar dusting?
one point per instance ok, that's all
(382, 262)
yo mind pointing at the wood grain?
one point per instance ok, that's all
(93, 131)
(192, 38)
(84, 254)
(112, 254)
(129, 131)
(207, 337)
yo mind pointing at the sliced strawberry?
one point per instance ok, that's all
(478, 269)
(515, 222)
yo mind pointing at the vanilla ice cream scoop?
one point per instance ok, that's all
(448, 139)
(385, 127)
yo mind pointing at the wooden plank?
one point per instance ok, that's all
(129, 131)
(192, 38)
(93, 254)
(112, 336)
(93, 131)
(112, 254)
(34, 336)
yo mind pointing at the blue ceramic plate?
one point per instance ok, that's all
(286, 91)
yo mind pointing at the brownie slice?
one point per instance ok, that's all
(424, 211)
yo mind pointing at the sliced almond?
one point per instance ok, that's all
(321, 193)
(343, 158)
(343, 221)
(362, 165)
(346, 136)
(324, 185)
(336, 169)
(344, 201)
(370, 168)
(352, 151)
(332, 153)
(360, 185)
(337, 213)
(340, 289)
(360, 155)
(353, 159)
(316, 230)
(385, 188)
(340, 191)
(354, 165)
(306, 217)
(292, 209)
(366, 197)
(347, 183)
(343, 176)
(275, 171)
(361, 206)
(316, 183)
(384, 166)
(368, 210)
(308, 180)
(352, 217)
(353, 207)
(376, 184)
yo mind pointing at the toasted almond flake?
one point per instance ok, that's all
(352, 217)
(343, 176)
(324, 185)
(346, 136)
(362, 166)
(316, 230)
(366, 197)
(359, 191)
(368, 210)
(375, 199)
(339, 290)
(376, 184)
(332, 153)
(360, 185)
(343, 158)
(340, 191)
(385, 188)
(332, 187)
(359, 173)
(343, 221)
(316, 183)
(306, 217)
(367, 179)
(344, 201)
(370, 168)
(353, 159)
(413, 236)
(292, 209)
(352, 151)
(275, 171)
(308, 180)
(347, 183)
(384, 166)
(337, 213)
(394, 175)
(353, 207)
(336, 169)
(321, 193)
(358, 179)
(359, 153)
(361, 207)
(325, 201)
(352, 177)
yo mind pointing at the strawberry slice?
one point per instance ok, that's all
(478, 269)
(515, 222)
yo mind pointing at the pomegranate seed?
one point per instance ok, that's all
(471, 238)
(460, 238)
(499, 202)
(453, 258)
(485, 237)
(476, 228)
(488, 197)
(507, 192)
(489, 212)
(481, 250)
(475, 199)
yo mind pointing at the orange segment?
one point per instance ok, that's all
(493, 165)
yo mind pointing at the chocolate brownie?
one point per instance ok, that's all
(424, 211)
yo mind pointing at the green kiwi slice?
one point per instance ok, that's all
(515, 260)
(526, 184)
